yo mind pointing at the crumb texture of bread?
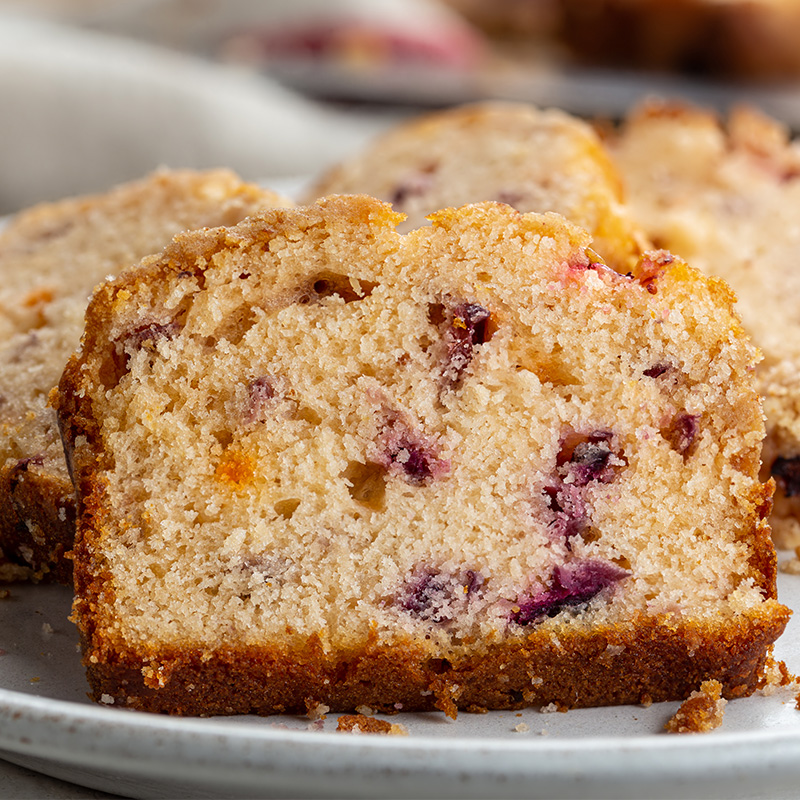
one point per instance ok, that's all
(320, 462)
(701, 712)
(51, 258)
(724, 197)
(531, 159)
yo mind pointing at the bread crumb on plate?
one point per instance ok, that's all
(701, 712)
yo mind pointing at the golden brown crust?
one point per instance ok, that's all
(607, 667)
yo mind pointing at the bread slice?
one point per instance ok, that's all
(532, 159)
(725, 197)
(51, 257)
(321, 462)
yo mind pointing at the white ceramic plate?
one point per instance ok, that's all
(47, 723)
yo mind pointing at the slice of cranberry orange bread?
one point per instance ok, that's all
(532, 159)
(321, 462)
(51, 257)
(725, 198)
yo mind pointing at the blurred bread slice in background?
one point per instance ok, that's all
(724, 194)
(531, 159)
(51, 257)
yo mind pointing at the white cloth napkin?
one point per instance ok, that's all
(81, 110)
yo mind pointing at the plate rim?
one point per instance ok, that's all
(22, 708)
(88, 744)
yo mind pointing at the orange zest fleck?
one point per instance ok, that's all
(236, 469)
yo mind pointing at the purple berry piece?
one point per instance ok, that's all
(786, 472)
(571, 585)
(146, 336)
(414, 185)
(468, 327)
(408, 454)
(23, 463)
(584, 459)
(261, 388)
(260, 394)
(415, 462)
(590, 462)
(657, 370)
(421, 590)
(570, 515)
(473, 581)
(437, 596)
(253, 571)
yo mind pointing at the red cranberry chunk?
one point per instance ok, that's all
(786, 472)
(571, 585)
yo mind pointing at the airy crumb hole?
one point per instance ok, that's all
(327, 284)
(309, 415)
(286, 508)
(367, 484)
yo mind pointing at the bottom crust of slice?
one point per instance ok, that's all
(651, 661)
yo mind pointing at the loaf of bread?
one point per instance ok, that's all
(531, 159)
(319, 462)
(51, 257)
(725, 197)
(535, 21)
(744, 40)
